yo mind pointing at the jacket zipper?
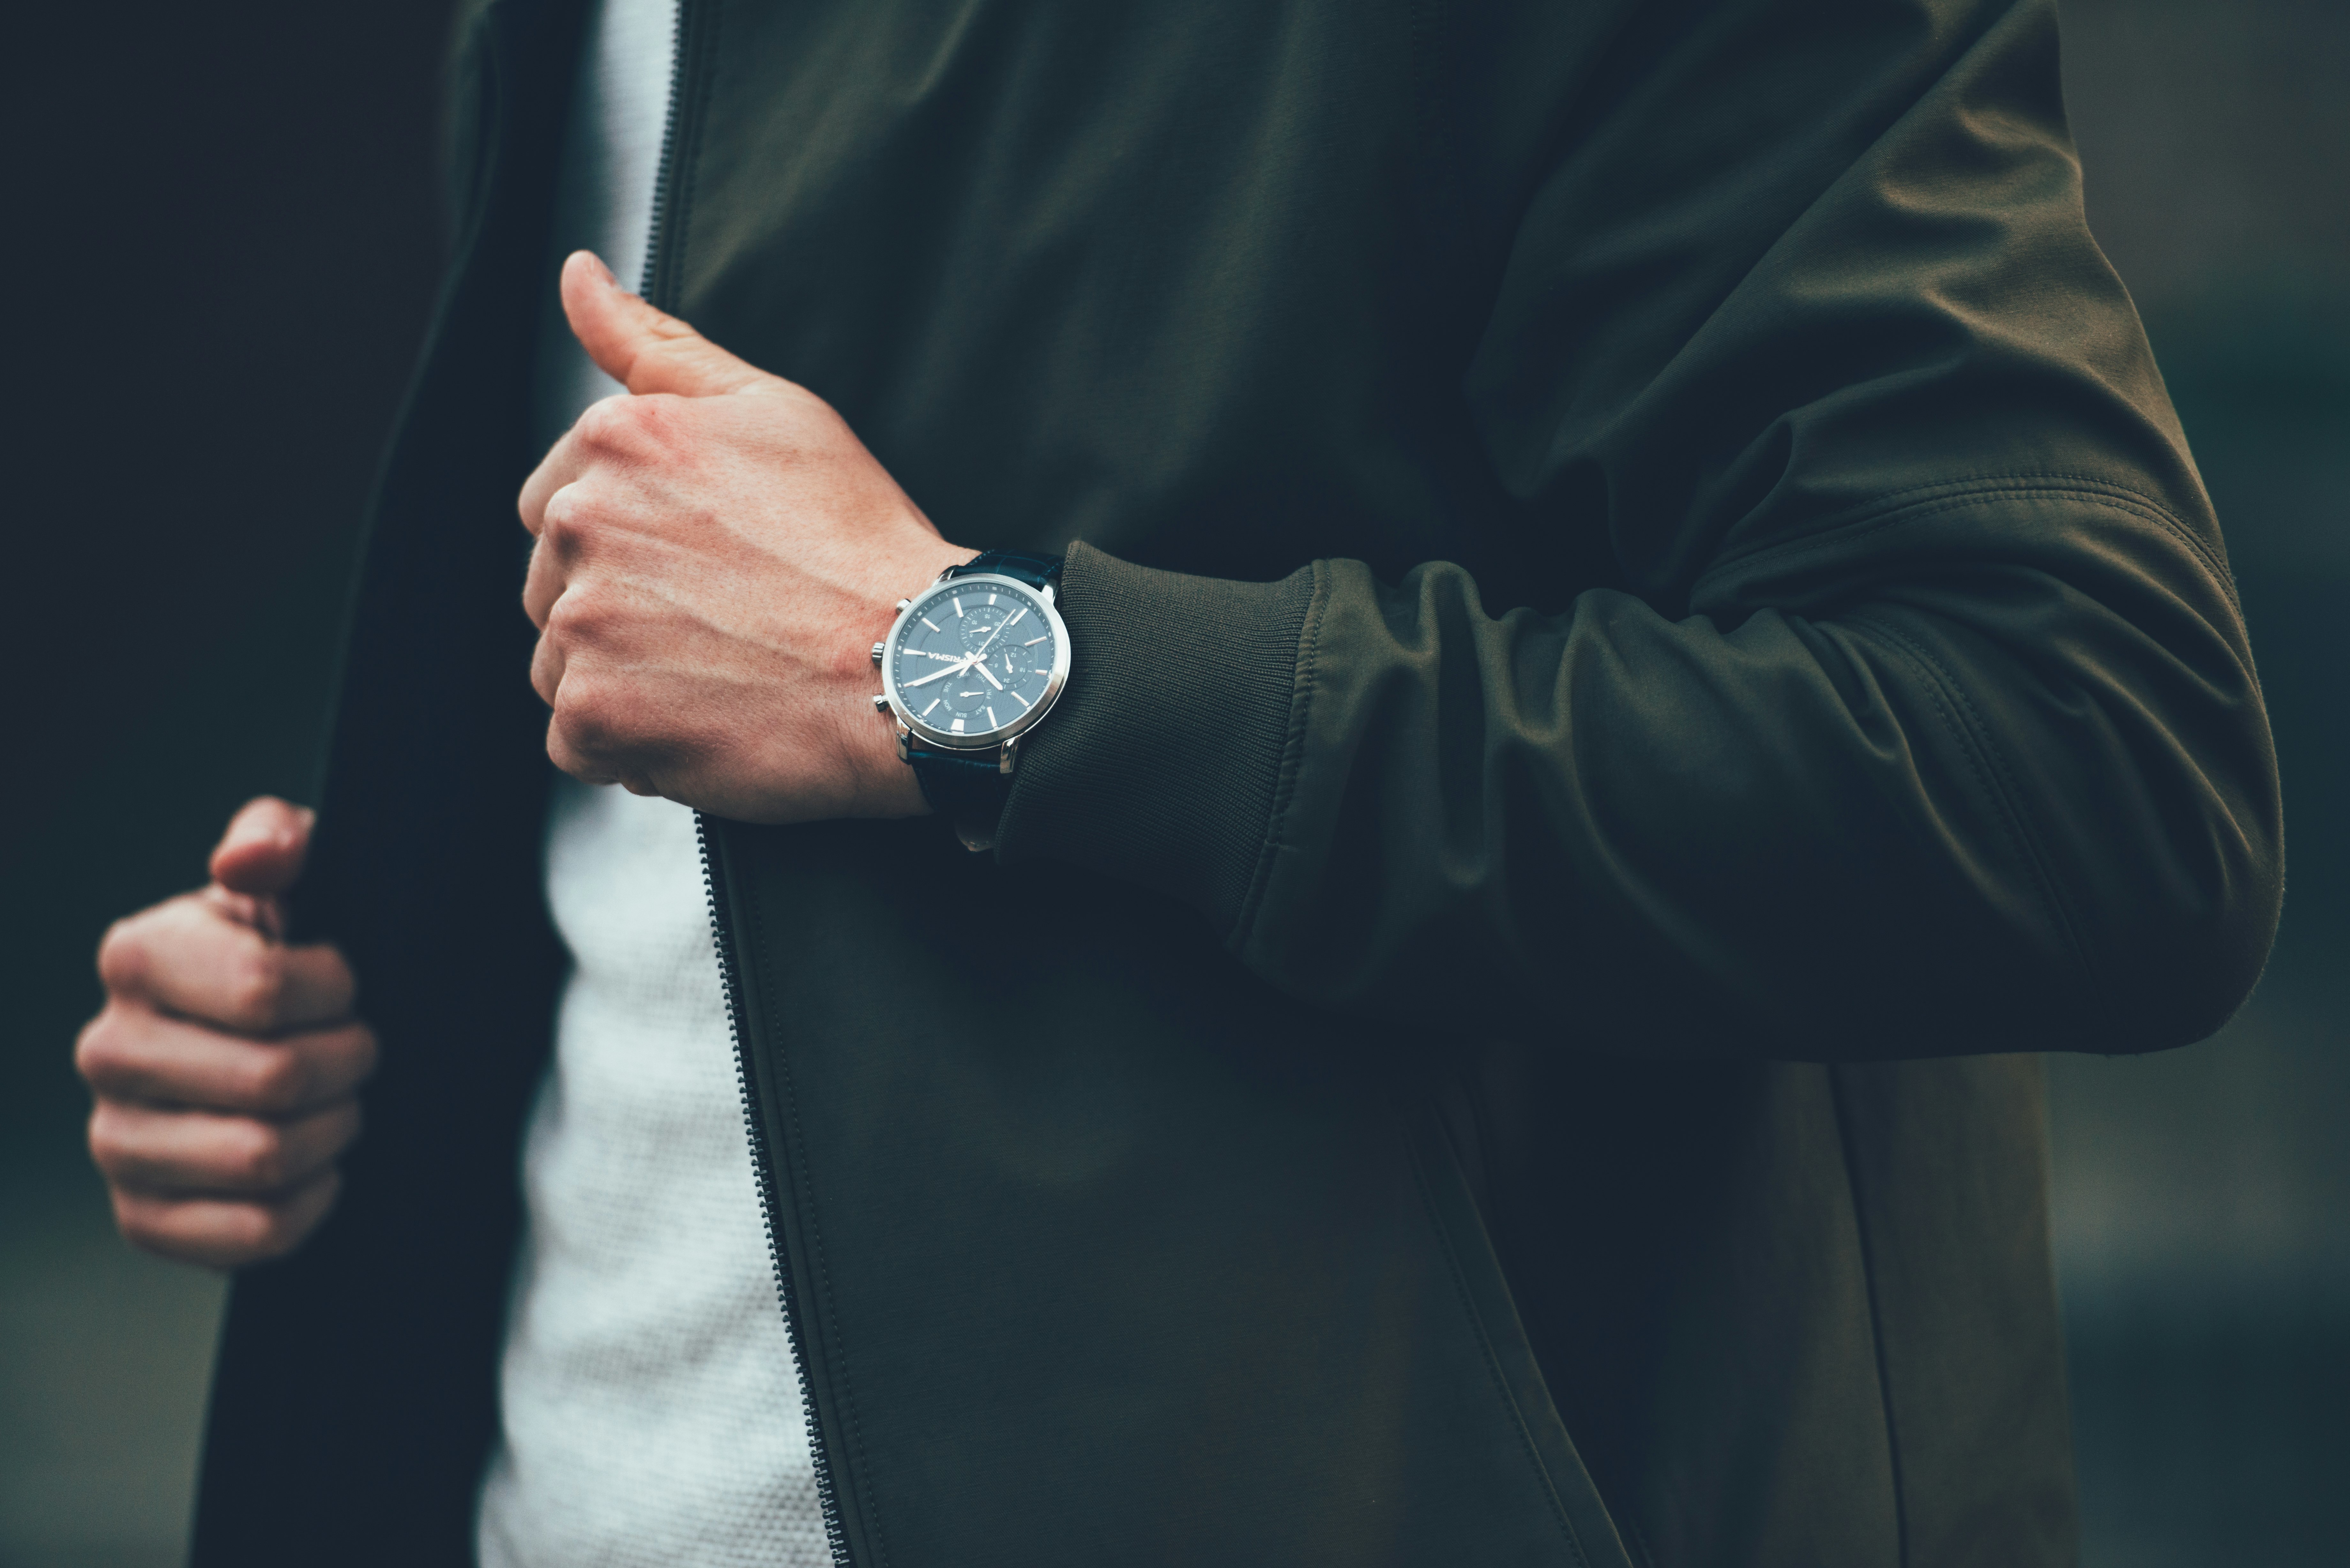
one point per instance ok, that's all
(660, 291)
(770, 1200)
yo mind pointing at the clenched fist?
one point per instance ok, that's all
(716, 554)
(225, 1064)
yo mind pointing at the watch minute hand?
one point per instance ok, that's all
(955, 668)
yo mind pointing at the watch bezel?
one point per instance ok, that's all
(946, 740)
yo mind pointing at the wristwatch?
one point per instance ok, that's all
(973, 662)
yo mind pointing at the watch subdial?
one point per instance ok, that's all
(979, 623)
(969, 696)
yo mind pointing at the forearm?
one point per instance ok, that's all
(1935, 822)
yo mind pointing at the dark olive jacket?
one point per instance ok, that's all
(1645, 632)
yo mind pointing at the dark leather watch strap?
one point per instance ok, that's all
(1035, 569)
(968, 790)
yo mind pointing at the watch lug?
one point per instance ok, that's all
(905, 743)
(1048, 594)
(1007, 754)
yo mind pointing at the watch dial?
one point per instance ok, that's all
(973, 657)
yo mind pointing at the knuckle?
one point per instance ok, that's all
(278, 1081)
(256, 989)
(123, 953)
(576, 615)
(97, 1050)
(564, 521)
(587, 717)
(617, 426)
(257, 1231)
(107, 1150)
(599, 421)
(257, 1155)
(136, 1220)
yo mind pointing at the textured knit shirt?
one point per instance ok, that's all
(649, 1408)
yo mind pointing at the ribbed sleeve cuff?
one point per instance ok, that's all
(1162, 761)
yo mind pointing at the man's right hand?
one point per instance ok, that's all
(226, 1063)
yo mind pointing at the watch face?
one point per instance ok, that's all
(976, 660)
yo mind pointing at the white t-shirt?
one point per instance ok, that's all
(650, 1413)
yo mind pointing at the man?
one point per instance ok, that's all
(1630, 621)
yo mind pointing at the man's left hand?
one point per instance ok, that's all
(717, 554)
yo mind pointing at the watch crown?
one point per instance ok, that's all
(881, 701)
(877, 650)
(905, 605)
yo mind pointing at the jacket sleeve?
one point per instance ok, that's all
(1918, 716)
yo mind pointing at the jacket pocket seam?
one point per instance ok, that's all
(1498, 1384)
(1838, 1095)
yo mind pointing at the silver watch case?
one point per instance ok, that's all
(1056, 679)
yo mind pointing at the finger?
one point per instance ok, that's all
(545, 668)
(647, 350)
(184, 956)
(564, 463)
(542, 583)
(579, 765)
(225, 1232)
(263, 850)
(130, 1053)
(148, 1149)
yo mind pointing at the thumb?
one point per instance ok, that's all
(644, 350)
(263, 850)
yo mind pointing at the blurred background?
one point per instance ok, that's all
(228, 232)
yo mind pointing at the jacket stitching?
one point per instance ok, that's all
(1293, 760)
(1890, 509)
(1485, 1347)
(1838, 1106)
(838, 1357)
(1960, 717)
